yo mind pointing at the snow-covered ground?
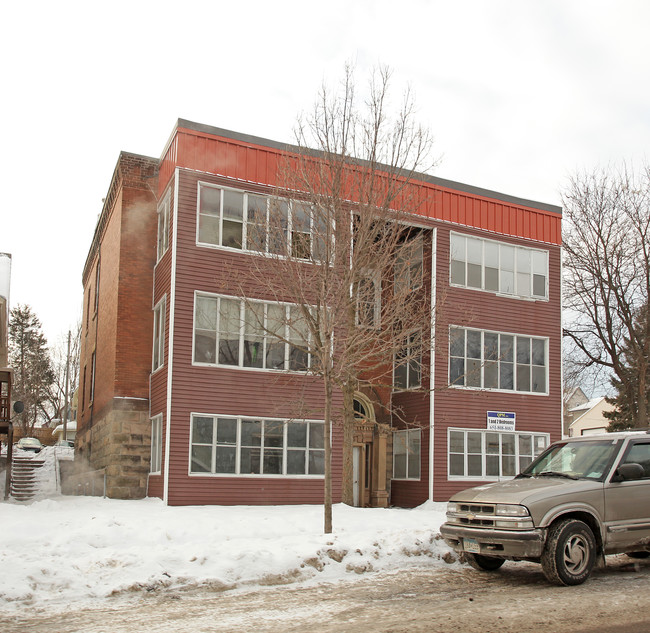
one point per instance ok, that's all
(60, 551)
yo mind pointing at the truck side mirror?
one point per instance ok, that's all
(626, 472)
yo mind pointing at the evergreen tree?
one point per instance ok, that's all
(628, 402)
(30, 359)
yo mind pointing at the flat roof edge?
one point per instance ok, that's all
(434, 180)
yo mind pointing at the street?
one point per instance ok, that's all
(439, 600)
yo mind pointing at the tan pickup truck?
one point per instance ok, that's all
(579, 500)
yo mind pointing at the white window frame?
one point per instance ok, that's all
(476, 248)
(405, 263)
(408, 364)
(162, 240)
(406, 442)
(482, 363)
(369, 302)
(289, 234)
(539, 442)
(312, 426)
(155, 465)
(287, 335)
(158, 352)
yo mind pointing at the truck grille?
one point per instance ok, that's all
(475, 515)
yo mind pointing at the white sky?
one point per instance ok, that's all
(519, 94)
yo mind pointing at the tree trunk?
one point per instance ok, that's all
(347, 490)
(327, 439)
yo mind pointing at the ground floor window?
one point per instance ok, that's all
(156, 445)
(251, 446)
(483, 454)
(406, 454)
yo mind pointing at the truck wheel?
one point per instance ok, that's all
(570, 553)
(484, 563)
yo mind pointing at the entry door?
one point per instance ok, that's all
(356, 476)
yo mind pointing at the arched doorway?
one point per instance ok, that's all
(368, 456)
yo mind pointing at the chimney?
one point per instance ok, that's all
(5, 277)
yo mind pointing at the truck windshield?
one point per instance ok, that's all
(577, 460)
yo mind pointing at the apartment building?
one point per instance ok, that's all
(179, 400)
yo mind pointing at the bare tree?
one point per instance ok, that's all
(65, 360)
(340, 251)
(607, 276)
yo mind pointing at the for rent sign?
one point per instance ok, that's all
(500, 421)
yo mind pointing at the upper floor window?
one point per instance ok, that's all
(368, 293)
(97, 272)
(158, 335)
(254, 222)
(163, 227)
(263, 335)
(498, 267)
(495, 360)
(408, 363)
(409, 265)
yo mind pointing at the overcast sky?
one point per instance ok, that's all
(519, 94)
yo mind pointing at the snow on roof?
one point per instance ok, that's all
(70, 426)
(588, 405)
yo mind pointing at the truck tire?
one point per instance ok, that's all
(484, 563)
(570, 552)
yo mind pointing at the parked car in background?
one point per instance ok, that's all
(29, 444)
(579, 500)
(68, 443)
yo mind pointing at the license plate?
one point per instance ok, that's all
(471, 545)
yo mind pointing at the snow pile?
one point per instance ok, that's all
(65, 550)
(46, 478)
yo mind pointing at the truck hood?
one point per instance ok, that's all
(525, 491)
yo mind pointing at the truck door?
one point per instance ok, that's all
(627, 503)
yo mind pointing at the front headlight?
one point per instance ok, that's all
(452, 507)
(508, 510)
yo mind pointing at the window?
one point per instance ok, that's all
(254, 222)
(639, 453)
(483, 454)
(496, 360)
(158, 335)
(92, 378)
(368, 294)
(406, 454)
(163, 227)
(97, 271)
(408, 363)
(498, 267)
(156, 445)
(409, 265)
(256, 334)
(250, 446)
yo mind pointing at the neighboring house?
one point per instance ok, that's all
(587, 418)
(70, 431)
(572, 398)
(166, 415)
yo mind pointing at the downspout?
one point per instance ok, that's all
(170, 342)
(432, 362)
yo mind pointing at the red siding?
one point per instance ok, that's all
(249, 162)
(225, 391)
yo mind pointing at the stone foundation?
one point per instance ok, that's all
(119, 444)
